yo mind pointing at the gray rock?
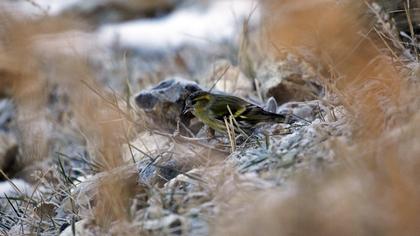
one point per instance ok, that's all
(80, 228)
(284, 153)
(160, 171)
(164, 102)
(168, 225)
(8, 154)
(8, 142)
(304, 111)
(271, 105)
(289, 80)
(7, 112)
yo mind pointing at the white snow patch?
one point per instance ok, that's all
(10, 189)
(221, 21)
(38, 7)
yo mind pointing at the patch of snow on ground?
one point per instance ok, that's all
(10, 189)
(221, 21)
(38, 7)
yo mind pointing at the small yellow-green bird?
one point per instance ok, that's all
(212, 109)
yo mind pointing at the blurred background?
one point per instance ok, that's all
(156, 38)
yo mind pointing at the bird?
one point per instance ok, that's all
(212, 109)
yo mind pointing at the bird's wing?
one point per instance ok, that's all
(221, 103)
(255, 114)
(241, 110)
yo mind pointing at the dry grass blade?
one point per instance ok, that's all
(14, 186)
(231, 134)
(11, 205)
(183, 139)
(410, 25)
(110, 102)
(219, 77)
(233, 120)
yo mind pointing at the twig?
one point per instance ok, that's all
(410, 24)
(257, 87)
(230, 134)
(10, 182)
(236, 123)
(182, 138)
(220, 77)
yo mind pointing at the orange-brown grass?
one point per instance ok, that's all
(374, 189)
(343, 41)
(29, 73)
(106, 127)
(22, 80)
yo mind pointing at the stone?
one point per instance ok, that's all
(165, 224)
(8, 142)
(145, 142)
(46, 209)
(304, 111)
(7, 112)
(80, 228)
(284, 152)
(84, 194)
(8, 154)
(160, 172)
(163, 104)
(271, 105)
(289, 80)
(231, 79)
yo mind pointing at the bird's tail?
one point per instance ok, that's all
(291, 118)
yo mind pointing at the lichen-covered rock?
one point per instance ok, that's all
(164, 102)
(302, 145)
(289, 80)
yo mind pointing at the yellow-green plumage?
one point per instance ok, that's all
(211, 109)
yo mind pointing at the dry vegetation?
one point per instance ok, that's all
(372, 188)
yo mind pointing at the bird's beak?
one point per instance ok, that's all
(187, 108)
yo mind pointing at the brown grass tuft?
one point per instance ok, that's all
(343, 41)
(31, 69)
(24, 80)
(374, 189)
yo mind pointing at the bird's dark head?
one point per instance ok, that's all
(194, 98)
